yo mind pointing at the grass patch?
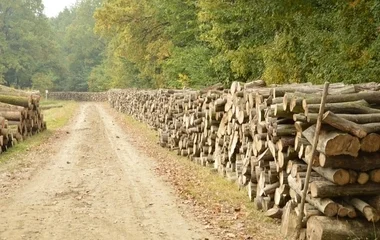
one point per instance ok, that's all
(51, 102)
(55, 119)
(58, 117)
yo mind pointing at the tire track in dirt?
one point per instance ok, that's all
(95, 185)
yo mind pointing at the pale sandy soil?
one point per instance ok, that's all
(89, 182)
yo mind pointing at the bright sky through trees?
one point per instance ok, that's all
(53, 7)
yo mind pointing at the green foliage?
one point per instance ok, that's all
(158, 40)
(189, 67)
(82, 51)
(42, 82)
(293, 41)
(27, 45)
(102, 44)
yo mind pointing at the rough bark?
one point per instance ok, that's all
(326, 189)
(16, 100)
(363, 162)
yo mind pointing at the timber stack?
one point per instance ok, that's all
(79, 96)
(260, 137)
(20, 116)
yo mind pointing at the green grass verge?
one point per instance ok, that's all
(58, 117)
(55, 119)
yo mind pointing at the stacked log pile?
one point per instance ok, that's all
(20, 116)
(79, 96)
(260, 137)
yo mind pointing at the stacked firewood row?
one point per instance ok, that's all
(260, 137)
(345, 178)
(20, 116)
(79, 96)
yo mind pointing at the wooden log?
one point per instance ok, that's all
(325, 205)
(321, 228)
(371, 127)
(363, 162)
(297, 168)
(374, 175)
(274, 212)
(370, 143)
(370, 97)
(351, 212)
(303, 88)
(16, 100)
(374, 201)
(254, 84)
(344, 125)
(16, 92)
(369, 212)
(289, 220)
(359, 107)
(337, 176)
(356, 118)
(300, 141)
(309, 157)
(363, 178)
(367, 87)
(236, 87)
(9, 107)
(294, 195)
(251, 190)
(353, 176)
(269, 189)
(326, 189)
(284, 142)
(334, 143)
(309, 211)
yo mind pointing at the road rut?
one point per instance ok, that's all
(93, 185)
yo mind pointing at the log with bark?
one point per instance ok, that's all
(20, 116)
(326, 189)
(334, 143)
(254, 134)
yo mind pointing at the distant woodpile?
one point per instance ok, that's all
(261, 137)
(20, 116)
(79, 96)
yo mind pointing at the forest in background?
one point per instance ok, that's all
(97, 45)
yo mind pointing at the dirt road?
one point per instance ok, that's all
(91, 184)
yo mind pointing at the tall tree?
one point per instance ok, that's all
(27, 46)
(82, 50)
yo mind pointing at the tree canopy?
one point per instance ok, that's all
(100, 44)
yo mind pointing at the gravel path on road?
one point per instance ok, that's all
(89, 182)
